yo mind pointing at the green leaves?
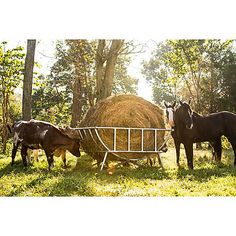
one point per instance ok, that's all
(189, 68)
(11, 67)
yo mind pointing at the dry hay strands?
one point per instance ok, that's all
(122, 111)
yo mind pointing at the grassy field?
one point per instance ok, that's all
(206, 179)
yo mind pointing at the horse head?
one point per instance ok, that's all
(170, 108)
(74, 148)
(184, 114)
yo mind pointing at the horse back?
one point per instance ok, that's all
(39, 133)
(214, 125)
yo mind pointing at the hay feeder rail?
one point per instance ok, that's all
(96, 137)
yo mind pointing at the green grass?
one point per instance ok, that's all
(207, 179)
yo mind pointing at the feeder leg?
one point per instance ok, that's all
(104, 159)
(159, 160)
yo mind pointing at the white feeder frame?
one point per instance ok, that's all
(84, 131)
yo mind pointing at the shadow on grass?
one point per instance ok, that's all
(16, 169)
(204, 174)
(79, 182)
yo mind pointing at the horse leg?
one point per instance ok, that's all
(50, 160)
(234, 147)
(24, 155)
(159, 160)
(212, 144)
(189, 153)
(36, 155)
(13, 154)
(28, 157)
(151, 160)
(217, 150)
(177, 149)
(233, 144)
(63, 157)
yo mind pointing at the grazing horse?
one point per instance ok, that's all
(35, 134)
(190, 127)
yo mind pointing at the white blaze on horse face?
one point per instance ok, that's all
(190, 115)
(171, 116)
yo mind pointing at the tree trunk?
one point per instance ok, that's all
(28, 80)
(110, 66)
(105, 74)
(76, 105)
(99, 68)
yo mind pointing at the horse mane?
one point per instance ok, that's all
(197, 115)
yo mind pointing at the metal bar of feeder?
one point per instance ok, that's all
(80, 134)
(104, 160)
(98, 136)
(155, 140)
(125, 128)
(114, 140)
(128, 140)
(90, 132)
(83, 132)
(126, 151)
(142, 140)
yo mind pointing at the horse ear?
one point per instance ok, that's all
(189, 101)
(181, 103)
(165, 104)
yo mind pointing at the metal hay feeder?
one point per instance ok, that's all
(94, 133)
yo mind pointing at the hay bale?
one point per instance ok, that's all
(122, 111)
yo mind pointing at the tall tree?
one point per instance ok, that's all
(28, 80)
(82, 58)
(190, 68)
(76, 74)
(73, 72)
(106, 58)
(164, 82)
(227, 79)
(11, 69)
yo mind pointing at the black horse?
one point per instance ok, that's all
(190, 127)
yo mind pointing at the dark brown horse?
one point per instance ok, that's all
(190, 127)
(35, 134)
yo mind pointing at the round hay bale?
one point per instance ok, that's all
(122, 111)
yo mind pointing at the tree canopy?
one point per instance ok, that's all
(72, 86)
(202, 70)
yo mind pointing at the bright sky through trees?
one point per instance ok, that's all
(44, 55)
